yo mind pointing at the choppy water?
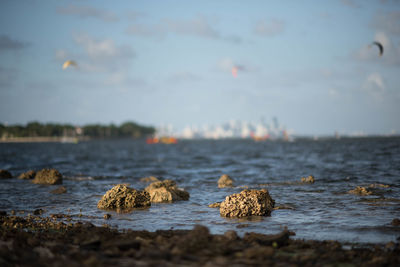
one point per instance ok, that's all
(323, 210)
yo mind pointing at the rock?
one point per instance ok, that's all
(247, 203)
(121, 197)
(225, 181)
(149, 179)
(309, 180)
(27, 175)
(107, 216)
(396, 222)
(166, 191)
(59, 190)
(215, 205)
(38, 212)
(48, 176)
(361, 191)
(5, 174)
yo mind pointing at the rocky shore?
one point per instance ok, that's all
(47, 241)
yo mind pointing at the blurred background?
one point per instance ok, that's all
(310, 64)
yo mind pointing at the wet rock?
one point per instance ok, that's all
(225, 181)
(309, 180)
(38, 212)
(247, 203)
(48, 176)
(121, 197)
(193, 241)
(396, 222)
(360, 191)
(59, 190)
(166, 191)
(4, 174)
(215, 205)
(150, 179)
(231, 235)
(27, 175)
(379, 186)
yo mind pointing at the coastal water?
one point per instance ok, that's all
(323, 210)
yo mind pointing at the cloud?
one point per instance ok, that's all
(387, 22)
(98, 55)
(88, 12)
(103, 54)
(269, 28)
(198, 26)
(6, 43)
(374, 83)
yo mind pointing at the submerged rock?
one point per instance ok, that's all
(48, 176)
(309, 180)
(360, 191)
(59, 190)
(225, 181)
(5, 174)
(166, 191)
(27, 175)
(121, 197)
(215, 205)
(247, 203)
(396, 222)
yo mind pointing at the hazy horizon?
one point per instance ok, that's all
(310, 63)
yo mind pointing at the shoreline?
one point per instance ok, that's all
(48, 241)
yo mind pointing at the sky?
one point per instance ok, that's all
(308, 63)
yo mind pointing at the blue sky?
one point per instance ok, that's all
(308, 63)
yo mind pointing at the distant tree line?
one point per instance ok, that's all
(36, 129)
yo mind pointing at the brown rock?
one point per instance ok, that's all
(396, 222)
(27, 175)
(215, 205)
(225, 181)
(361, 191)
(59, 190)
(247, 203)
(48, 176)
(166, 191)
(309, 180)
(121, 197)
(5, 174)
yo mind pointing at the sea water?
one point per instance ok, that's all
(323, 210)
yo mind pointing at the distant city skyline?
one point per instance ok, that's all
(309, 63)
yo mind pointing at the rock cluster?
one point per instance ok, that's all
(225, 181)
(48, 176)
(5, 174)
(122, 197)
(247, 203)
(43, 241)
(310, 179)
(360, 191)
(166, 191)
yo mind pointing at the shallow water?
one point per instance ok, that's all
(323, 210)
